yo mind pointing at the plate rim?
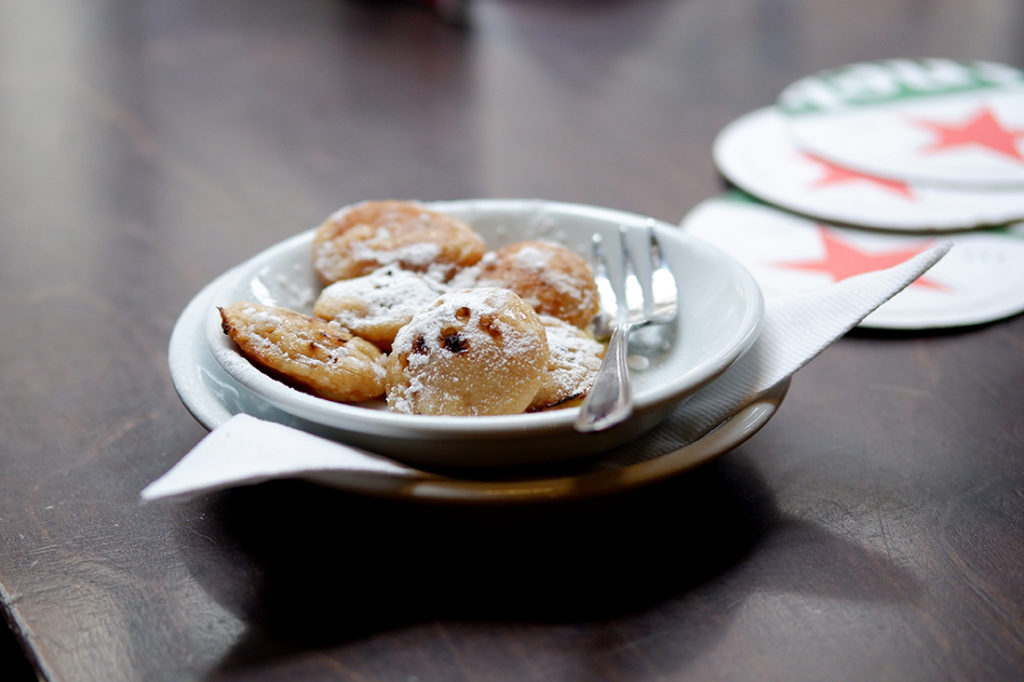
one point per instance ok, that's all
(187, 348)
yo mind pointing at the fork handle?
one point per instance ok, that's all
(610, 400)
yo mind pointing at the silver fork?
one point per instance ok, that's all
(610, 400)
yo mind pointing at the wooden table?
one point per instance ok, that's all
(873, 530)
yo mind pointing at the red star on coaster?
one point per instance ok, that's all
(982, 129)
(842, 260)
(836, 175)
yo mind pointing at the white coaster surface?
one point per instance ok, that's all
(756, 153)
(980, 280)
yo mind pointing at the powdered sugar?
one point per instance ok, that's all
(574, 358)
(270, 332)
(419, 255)
(532, 258)
(480, 316)
(390, 295)
(473, 351)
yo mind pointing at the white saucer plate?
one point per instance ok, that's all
(213, 397)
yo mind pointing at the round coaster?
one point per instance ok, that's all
(980, 280)
(756, 154)
(933, 120)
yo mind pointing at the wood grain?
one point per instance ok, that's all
(871, 531)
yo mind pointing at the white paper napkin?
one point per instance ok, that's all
(795, 329)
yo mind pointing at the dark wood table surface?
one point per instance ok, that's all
(874, 530)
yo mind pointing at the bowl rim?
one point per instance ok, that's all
(345, 416)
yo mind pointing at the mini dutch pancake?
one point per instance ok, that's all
(553, 279)
(362, 238)
(472, 352)
(573, 361)
(305, 351)
(377, 305)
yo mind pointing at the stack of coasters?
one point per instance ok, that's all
(857, 168)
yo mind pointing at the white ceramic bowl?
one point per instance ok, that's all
(720, 309)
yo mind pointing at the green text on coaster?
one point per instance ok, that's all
(930, 121)
(980, 280)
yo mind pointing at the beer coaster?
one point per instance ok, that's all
(980, 280)
(756, 154)
(929, 121)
